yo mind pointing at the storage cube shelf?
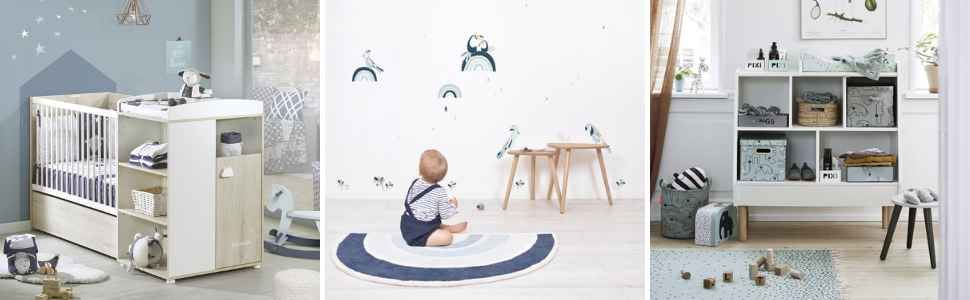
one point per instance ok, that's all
(806, 144)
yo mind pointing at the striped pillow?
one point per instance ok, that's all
(690, 179)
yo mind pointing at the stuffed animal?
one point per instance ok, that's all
(190, 87)
(146, 251)
(690, 179)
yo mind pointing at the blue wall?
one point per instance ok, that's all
(132, 56)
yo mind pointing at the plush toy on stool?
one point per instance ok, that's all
(145, 252)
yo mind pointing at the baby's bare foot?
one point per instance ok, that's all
(458, 227)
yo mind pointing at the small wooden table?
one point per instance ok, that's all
(565, 178)
(532, 193)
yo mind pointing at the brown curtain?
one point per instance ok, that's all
(665, 19)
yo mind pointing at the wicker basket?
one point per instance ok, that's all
(151, 201)
(810, 114)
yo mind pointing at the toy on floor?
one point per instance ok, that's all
(146, 252)
(52, 287)
(761, 279)
(282, 200)
(684, 273)
(797, 274)
(481, 206)
(44, 269)
(709, 283)
(21, 253)
(728, 276)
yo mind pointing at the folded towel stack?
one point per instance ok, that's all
(151, 155)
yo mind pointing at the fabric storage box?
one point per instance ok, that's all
(780, 120)
(715, 224)
(870, 106)
(678, 208)
(869, 174)
(761, 156)
(230, 144)
(21, 253)
(151, 201)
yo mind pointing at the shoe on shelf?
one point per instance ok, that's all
(793, 173)
(807, 173)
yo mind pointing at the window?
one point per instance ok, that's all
(928, 12)
(696, 42)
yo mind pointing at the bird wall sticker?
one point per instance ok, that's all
(596, 135)
(508, 142)
(476, 56)
(367, 73)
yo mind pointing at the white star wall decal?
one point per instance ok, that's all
(57, 34)
(85, 11)
(24, 34)
(71, 8)
(14, 57)
(58, 16)
(39, 19)
(40, 49)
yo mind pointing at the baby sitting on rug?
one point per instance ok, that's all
(427, 204)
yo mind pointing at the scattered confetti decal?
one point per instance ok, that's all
(449, 90)
(597, 136)
(618, 184)
(446, 109)
(509, 142)
(519, 184)
(563, 138)
(476, 56)
(367, 73)
(379, 181)
(389, 185)
(343, 185)
(451, 185)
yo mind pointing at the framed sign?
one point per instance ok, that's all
(843, 19)
(178, 56)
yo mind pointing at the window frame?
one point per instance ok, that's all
(917, 75)
(712, 82)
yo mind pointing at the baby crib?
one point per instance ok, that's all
(75, 153)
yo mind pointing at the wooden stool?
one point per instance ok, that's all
(927, 217)
(565, 177)
(532, 192)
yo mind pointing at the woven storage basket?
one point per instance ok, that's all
(151, 201)
(810, 114)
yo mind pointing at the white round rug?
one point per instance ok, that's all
(67, 270)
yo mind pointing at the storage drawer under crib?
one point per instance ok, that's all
(84, 226)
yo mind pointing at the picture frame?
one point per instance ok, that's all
(841, 19)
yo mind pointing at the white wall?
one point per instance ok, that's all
(585, 56)
(699, 129)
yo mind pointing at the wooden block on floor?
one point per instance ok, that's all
(761, 279)
(685, 274)
(781, 269)
(770, 267)
(752, 271)
(797, 274)
(709, 283)
(41, 297)
(762, 261)
(728, 276)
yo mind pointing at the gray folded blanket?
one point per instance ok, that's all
(869, 65)
(818, 98)
(864, 153)
(748, 109)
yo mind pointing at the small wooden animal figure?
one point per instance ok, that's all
(797, 274)
(685, 274)
(709, 283)
(752, 271)
(481, 206)
(762, 261)
(728, 276)
(698, 84)
(781, 269)
(761, 279)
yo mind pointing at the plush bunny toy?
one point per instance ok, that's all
(190, 87)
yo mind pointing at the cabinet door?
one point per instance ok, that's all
(238, 211)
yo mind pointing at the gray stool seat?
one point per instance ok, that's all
(899, 202)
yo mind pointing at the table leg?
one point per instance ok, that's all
(555, 177)
(912, 224)
(928, 218)
(743, 223)
(532, 191)
(565, 184)
(885, 216)
(555, 163)
(606, 182)
(892, 229)
(508, 189)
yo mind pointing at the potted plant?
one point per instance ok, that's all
(683, 72)
(926, 52)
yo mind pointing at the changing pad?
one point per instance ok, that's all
(812, 62)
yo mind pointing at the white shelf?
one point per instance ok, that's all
(795, 73)
(814, 183)
(161, 220)
(162, 172)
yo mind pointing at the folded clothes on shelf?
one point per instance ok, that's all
(151, 155)
(871, 159)
(818, 98)
(872, 164)
(864, 153)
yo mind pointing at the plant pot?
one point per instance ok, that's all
(679, 85)
(932, 75)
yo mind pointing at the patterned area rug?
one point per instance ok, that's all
(470, 259)
(824, 275)
(67, 270)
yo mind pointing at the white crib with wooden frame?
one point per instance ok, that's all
(81, 180)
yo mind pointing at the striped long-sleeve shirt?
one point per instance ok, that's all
(432, 204)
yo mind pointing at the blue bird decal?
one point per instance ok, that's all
(508, 142)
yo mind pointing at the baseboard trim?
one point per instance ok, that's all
(12, 227)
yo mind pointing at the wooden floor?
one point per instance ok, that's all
(905, 274)
(601, 253)
(247, 283)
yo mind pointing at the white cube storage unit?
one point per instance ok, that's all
(805, 145)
